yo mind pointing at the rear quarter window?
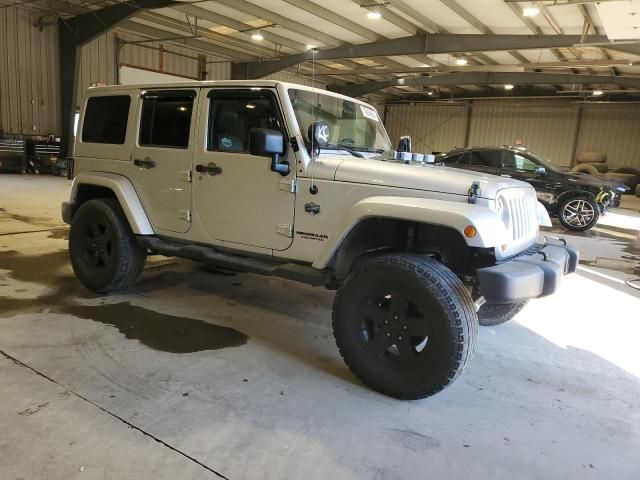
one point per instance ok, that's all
(105, 119)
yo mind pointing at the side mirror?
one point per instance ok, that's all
(540, 170)
(404, 145)
(264, 142)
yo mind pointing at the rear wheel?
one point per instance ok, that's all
(405, 325)
(492, 314)
(578, 213)
(104, 252)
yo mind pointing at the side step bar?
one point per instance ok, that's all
(211, 256)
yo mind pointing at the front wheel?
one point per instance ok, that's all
(492, 314)
(405, 325)
(104, 252)
(578, 213)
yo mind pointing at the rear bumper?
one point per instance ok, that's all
(537, 273)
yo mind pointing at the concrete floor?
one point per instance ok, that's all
(196, 375)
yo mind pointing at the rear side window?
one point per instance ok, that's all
(166, 119)
(487, 158)
(451, 159)
(105, 119)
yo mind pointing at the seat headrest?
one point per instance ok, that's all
(227, 119)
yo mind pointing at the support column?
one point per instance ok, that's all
(73, 34)
(69, 73)
(576, 137)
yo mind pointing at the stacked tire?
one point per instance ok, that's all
(593, 163)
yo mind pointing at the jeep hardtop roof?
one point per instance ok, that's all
(221, 83)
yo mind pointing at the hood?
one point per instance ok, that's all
(585, 179)
(419, 176)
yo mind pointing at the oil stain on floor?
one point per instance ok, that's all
(156, 330)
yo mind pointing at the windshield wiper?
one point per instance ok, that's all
(345, 148)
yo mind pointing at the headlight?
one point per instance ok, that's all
(502, 208)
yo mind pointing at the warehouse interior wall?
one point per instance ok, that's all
(554, 128)
(29, 83)
(29, 89)
(557, 128)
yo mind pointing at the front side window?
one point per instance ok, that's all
(519, 162)
(105, 119)
(166, 119)
(351, 124)
(232, 115)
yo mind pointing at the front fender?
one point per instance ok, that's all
(125, 193)
(456, 215)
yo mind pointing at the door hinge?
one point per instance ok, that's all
(185, 215)
(285, 229)
(287, 185)
(186, 175)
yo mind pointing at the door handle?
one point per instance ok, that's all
(144, 163)
(211, 169)
(312, 208)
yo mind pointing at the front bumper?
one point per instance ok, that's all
(67, 210)
(536, 273)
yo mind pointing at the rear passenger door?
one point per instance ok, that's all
(162, 156)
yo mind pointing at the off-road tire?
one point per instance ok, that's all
(439, 310)
(104, 252)
(565, 219)
(492, 314)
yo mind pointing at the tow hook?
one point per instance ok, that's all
(479, 302)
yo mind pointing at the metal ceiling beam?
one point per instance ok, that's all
(591, 25)
(490, 78)
(75, 32)
(286, 23)
(239, 26)
(210, 48)
(463, 13)
(425, 43)
(400, 22)
(481, 68)
(532, 26)
(339, 20)
(389, 15)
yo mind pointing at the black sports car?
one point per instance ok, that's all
(577, 199)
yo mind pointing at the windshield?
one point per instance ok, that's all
(548, 164)
(351, 124)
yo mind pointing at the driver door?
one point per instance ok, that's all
(238, 197)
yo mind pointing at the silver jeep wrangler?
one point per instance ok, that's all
(280, 179)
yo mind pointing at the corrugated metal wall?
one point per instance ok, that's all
(548, 127)
(433, 127)
(98, 64)
(612, 129)
(29, 90)
(543, 127)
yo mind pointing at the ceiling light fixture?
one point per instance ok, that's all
(461, 61)
(597, 93)
(374, 15)
(508, 86)
(530, 11)
(257, 37)
(311, 47)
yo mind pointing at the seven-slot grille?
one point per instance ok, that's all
(523, 214)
